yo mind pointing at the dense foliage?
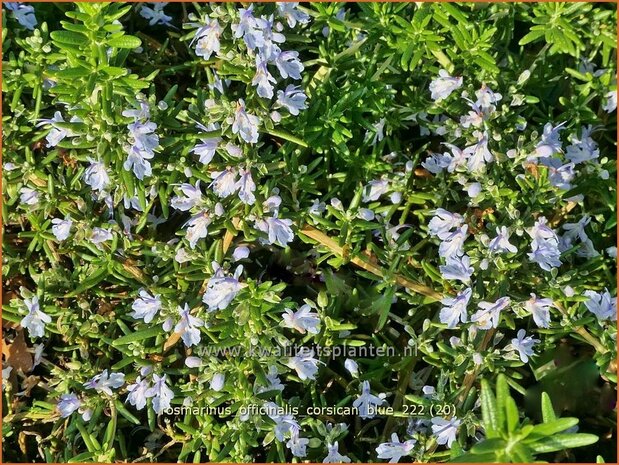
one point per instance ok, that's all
(315, 232)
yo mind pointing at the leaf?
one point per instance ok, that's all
(553, 427)
(489, 446)
(286, 136)
(548, 412)
(532, 36)
(382, 306)
(489, 410)
(69, 38)
(125, 41)
(139, 336)
(563, 441)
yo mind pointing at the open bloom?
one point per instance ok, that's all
(207, 37)
(62, 228)
(162, 395)
(224, 182)
(24, 14)
(105, 382)
(302, 320)
(454, 310)
(489, 313)
(289, 65)
(221, 289)
(292, 15)
(444, 85)
(550, 142)
(278, 230)
(188, 327)
(445, 430)
(545, 245)
(443, 222)
(138, 393)
(198, 228)
(395, 449)
(292, 98)
(604, 306)
(501, 244)
(68, 404)
(263, 79)
(524, 345)
(452, 244)
(304, 364)
(333, 454)
(246, 187)
(35, 319)
(478, 154)
(374, 189)
(192, 196)
(155, 14)
(458, 268)
(96, 175)
(146, 306)
(245, 124)
(540, 309)
(367, 402)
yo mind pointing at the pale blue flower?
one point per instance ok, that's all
(100, 235)
(263, 79)
(367, 402)
(560, 174)
(374, 189)
(138, 393)
(501, 244)
(146, 306)
(395, 449)
(454, 310)
(155, 14)
(28, 196)
(246, 24)
(197, 228)
(245, 124)
(289, 11)
(302, 320)
(217, 382)
(452, 244)
(444, 85)
(279, 231)
(445, 430)
(545, 245)
(224, 182)
(478, 154)
(584, 148)
(137, 160)
(221, 289)
(246, 187)
(352, 367)
(188, 326)
(162, 395)
(284, 424)
(62, 228)
(192, 196)
(365, 214)
(457, 268)
(603, 306)
(141, 112)
(611, 101)
(333, 454)
(486, 99)
(271, 36)
(289, 65)
(274, 383)
(208, 146)
(540, 309)
(443, 222)
(35, 319)
(24, 14)
(304, 364)
(56, 134)
(68, 404)
(550, 142)
(240, 253)
(208, 39)
(437, 163)
(293, 99)
(297, 444)
(489, 313)
(524, 345)
(96, 175)
(193, 362)
(105, 383)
